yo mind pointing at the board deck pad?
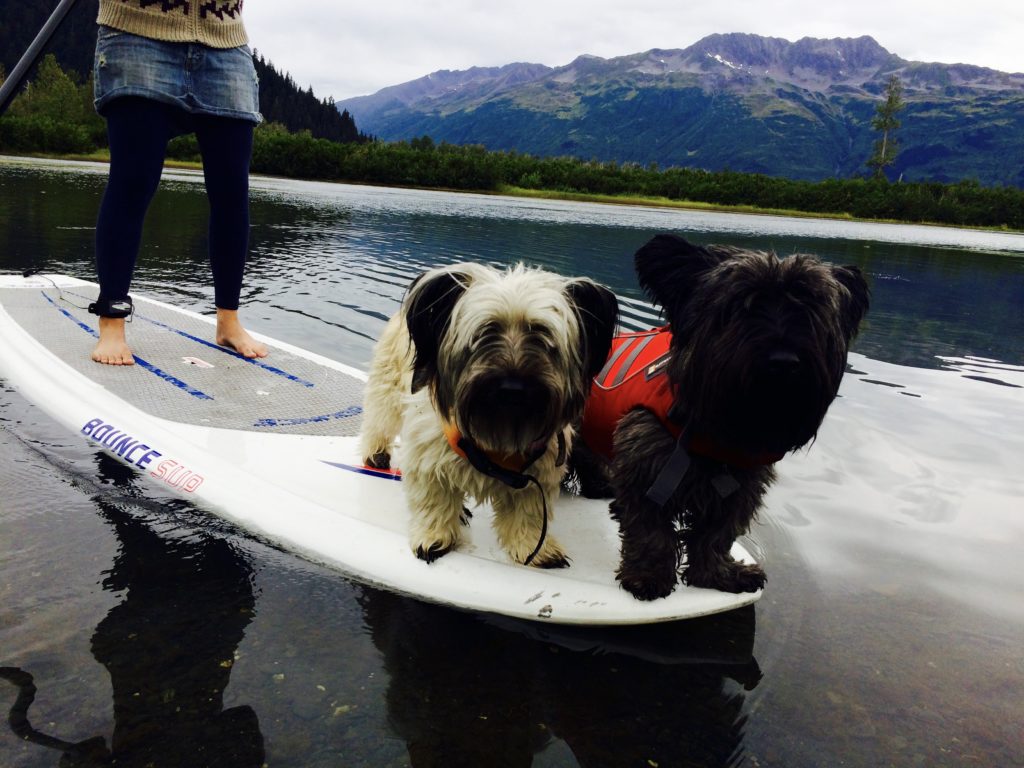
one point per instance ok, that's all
(272, 445)
(182, 376)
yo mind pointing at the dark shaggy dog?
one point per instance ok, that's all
(756, 350)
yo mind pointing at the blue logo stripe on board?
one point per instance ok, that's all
(145, 364)
(383, 474)
(228, 351)
(352, 410)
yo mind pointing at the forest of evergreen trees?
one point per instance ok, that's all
(281, 100)
(73, 44)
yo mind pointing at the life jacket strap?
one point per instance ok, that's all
(681, 458)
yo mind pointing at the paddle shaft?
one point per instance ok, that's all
(13, 82)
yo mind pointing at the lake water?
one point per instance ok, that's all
(891, 631)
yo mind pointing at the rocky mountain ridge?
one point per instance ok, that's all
(746, 102)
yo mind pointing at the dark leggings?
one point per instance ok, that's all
(139, 130)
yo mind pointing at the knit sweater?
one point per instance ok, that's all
(216, 23)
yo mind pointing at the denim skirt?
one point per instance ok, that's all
(194, 77)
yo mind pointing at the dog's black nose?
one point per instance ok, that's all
(518, 394)
(513, 389)
(783, 362)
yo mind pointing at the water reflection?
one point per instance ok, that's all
(168, 646)
(467, 691)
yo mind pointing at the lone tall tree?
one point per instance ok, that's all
(886, 122)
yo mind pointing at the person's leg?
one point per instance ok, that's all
(138, 132)
(226, 146)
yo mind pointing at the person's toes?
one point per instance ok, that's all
(113, 355)
(257, 350)
(244, 345)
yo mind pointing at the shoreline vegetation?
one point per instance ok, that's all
(54, 117)
(101, 156)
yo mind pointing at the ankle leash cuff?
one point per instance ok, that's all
(114, 309)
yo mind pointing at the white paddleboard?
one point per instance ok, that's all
(272, 445)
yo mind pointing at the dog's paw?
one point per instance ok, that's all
(380, 460)
(646, 586)
(432, 552)
(521, 541)
(733, 577)
(433, 536)
(556, 560)
(550, 555)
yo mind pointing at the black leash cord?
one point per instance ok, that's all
(543, 523)
(511, 478)
(62, 295)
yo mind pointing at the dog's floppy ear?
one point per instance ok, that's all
(428, 310)
(598, 312)
(855, 304)
(667, 267)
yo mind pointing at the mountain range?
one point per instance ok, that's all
(741, 102)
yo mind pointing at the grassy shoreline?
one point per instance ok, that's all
(690, 205)
(665, 202)
(508, 190)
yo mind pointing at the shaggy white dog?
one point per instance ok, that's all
(484, 373)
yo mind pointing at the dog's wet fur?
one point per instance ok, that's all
(758, 351)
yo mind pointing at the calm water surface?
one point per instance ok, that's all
(891, 632)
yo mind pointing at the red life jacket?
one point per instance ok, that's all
(635, 375)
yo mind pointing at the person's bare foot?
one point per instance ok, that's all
(230, 333)
(112, 348)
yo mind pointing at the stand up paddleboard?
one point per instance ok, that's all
(272, 445)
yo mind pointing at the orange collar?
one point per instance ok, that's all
(515, 462)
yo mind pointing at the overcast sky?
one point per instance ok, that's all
(343, 48)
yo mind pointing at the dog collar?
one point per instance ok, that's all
(486, 461)
(511, 470)
(703, 445)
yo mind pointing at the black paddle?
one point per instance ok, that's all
(13, 83)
